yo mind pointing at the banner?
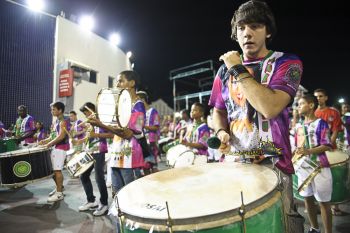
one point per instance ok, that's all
(65, 83)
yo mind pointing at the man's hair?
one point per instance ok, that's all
(89, 105)
(254, 11)
(310, 99)
(132, 75)
(58, 105)
(200, 106)
(321, 90)
(22, 107)
(143, 95)
(73, 112)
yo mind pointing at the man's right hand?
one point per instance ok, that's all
(224, 137)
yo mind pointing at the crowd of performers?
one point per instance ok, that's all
(251, 106)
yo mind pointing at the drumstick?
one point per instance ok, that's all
(70, 136)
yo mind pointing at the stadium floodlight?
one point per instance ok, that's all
(115, 39)
(341, 100)
(35, 5)
(87, 22)
(129, 54)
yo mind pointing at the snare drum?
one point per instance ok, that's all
(199, 202)
(25, 166)
(339, 162)
(173, 153)
(114, 107)
(79, 163)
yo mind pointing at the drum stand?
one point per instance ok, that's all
(241, 212)
(120, 216)
(169, 221)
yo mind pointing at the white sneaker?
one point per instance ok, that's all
(88, 206)
(54, 191)
(101, 210)
(55, 197)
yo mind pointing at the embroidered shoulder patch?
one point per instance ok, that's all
(293, 75)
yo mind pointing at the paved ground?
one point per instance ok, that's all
(26, 210)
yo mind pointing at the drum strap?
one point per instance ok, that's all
(307, 142)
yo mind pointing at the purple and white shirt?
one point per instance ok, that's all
(152, 119)
(317, 134)
(248, 128)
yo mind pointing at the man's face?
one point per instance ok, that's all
(87, 113)
(21, 112)
(196, 112)
(321, 98)
(304, 107)
(72, 117)
(252, 39)
(122, 82)
(345, 108)
(55, 112)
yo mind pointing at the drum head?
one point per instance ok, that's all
(124, 108)
(106, 106)
(336, 156)
(196, 191)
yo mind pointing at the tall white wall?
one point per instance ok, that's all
(74, 44)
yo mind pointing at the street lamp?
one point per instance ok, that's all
(115, 39)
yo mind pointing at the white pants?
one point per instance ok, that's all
(57, 159)
(320, 187)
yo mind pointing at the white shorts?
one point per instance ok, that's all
(57, 159)
(320, 186)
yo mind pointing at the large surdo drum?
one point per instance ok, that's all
(114, 107)
(25, 166)
(203, 198)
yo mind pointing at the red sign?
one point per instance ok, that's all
(65, 83)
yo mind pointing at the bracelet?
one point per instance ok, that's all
(236, 70)
(240, 80)
(217, 132)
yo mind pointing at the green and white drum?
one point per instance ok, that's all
(339, 162)
(203, 198)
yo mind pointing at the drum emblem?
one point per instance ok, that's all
(22, 169)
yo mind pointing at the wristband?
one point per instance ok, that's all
(236, 70)
(217, 132)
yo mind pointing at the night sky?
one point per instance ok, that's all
(164, 35)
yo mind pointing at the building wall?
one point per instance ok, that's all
(79, 47)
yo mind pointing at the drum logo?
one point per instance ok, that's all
(22, 169)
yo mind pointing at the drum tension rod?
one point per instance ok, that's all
(120, 216)
(169, 221)
(241, 212)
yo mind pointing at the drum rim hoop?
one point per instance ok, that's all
(117, 108)
(206, 222)
(27, 152)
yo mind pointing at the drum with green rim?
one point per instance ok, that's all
(8, 144)
(339, 162)
(203, 198)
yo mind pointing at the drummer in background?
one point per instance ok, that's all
(181, 127)
(2, 130)
(127, 157)
(313, 140)
(345, 111)
(77, 131)
(40, 133)
(332, 117)
(152, 132)
(96, 145)
(25, 126)
(60, 140)
(197, 132)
